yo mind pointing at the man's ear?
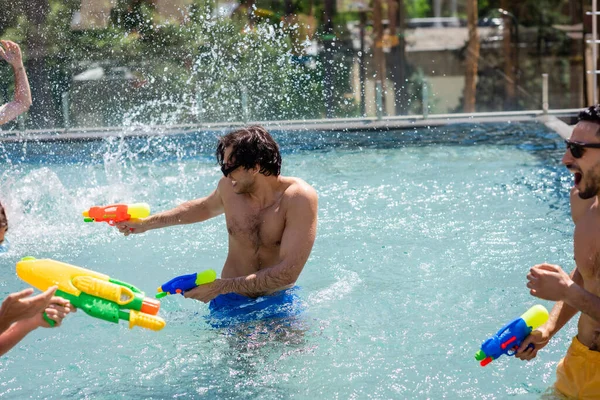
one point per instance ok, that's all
(255, 169)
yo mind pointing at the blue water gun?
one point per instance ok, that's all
(183, 283)
(508, 339)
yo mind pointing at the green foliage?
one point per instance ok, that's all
(417, 8)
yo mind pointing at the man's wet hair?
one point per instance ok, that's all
(251, 146)
(3, 219)
(591, 114)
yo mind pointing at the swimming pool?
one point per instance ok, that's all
(423, 244)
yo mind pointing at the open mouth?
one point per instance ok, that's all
(578, 177)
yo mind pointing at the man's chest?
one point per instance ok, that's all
(260, 228)
(586, 248)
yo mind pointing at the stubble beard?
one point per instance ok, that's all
(593, 187)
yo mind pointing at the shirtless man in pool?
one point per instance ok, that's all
(578, 374)
(271, 219)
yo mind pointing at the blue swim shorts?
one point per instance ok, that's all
(232, 308)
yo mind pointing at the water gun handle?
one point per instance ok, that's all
(50, 322)
(514, 349)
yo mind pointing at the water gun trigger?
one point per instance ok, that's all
(516, 348)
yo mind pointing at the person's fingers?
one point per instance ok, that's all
(525, 344)
(44, 299)
(59, 309)
(58, 315)
(533, 292)
(20, 295)
(549, 267)
(530, 285)
(9, 48)
(534, 272)
(59, 301)
(49, 293)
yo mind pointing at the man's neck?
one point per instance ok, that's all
(265, 191)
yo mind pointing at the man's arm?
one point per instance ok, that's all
(11, 52)
(561, 313)
(14, 334)
(582, 300)
(296, 244)
(187, 213)
(57, 310)
(550, 282)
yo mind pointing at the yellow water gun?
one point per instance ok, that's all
(96, 294)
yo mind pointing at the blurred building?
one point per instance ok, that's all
(95, 14)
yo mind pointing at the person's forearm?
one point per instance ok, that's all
(14, 334)
(4, 324)
(263, 281)
(22, 91)
(186, 213)
(22, 99)
(561, 314)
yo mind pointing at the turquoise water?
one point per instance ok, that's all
(424, 241)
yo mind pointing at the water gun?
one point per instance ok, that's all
(508, 339)
(96, 294)
(116, 213)
(184, 283)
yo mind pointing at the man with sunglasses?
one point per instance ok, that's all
(578, 373)
(271, 220)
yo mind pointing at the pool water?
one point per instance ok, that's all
(424, 241)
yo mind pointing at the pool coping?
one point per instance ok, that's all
(552, 119)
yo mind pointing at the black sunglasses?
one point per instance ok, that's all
(577, 148)
(227, 169)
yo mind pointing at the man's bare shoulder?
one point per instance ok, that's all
(224, 186)
(298, 189)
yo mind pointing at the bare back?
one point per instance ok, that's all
(586, 244)
(255, 233)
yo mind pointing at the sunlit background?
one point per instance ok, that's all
(96, 63)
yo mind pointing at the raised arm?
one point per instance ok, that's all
(296, 245)
(11, 53)
(187, 213)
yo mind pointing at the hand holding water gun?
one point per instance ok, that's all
(96, 294)
(116, 213)
(184, 283)
(508, 339)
